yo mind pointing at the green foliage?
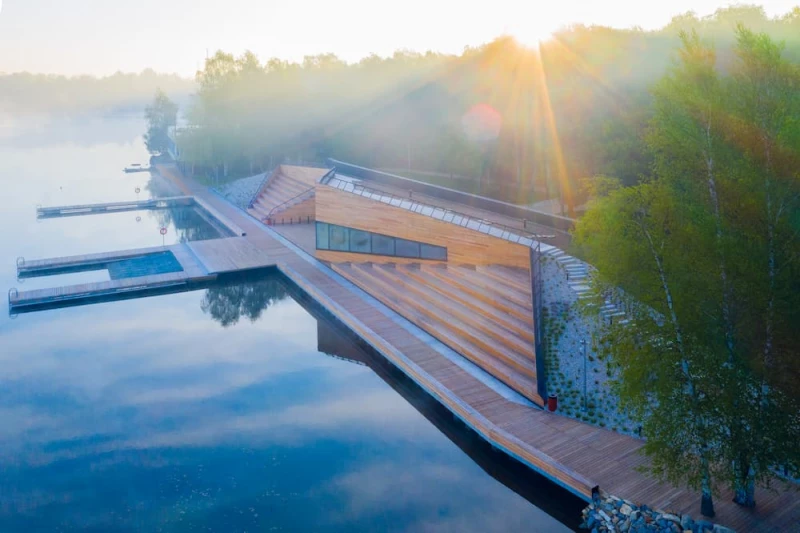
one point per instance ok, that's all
(707, 254)
(161, 115)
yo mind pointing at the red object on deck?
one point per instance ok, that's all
(552, 403)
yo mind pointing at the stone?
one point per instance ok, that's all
(635, 515)
(671, 517)
(624, 526)
(626, 509)
(605, 516)
(704, 525)
(687, 522)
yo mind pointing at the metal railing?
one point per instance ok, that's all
(493, 229)
(252, 201)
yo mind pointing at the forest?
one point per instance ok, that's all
(523, 124)
(45, 93)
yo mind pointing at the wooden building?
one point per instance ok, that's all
(454, 270)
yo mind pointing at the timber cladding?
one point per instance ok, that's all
(463, 245)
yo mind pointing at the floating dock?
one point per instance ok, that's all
(206, 211)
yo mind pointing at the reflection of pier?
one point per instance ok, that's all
(335, 341)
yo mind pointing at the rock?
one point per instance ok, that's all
(624, 526)
(671, 517)
(605, 516)
(704, 525)
(635, 515)
(687, 522)
(626, 509)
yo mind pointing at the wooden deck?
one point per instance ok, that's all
(575, 455)
(502, 345)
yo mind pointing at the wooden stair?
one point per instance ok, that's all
(278, 190)
(486, 335)
(465, 280)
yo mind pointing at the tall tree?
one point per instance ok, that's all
(161, 115)
(638, 238)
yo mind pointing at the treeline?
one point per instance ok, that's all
(529, 123)
(25, 92)
(707, 250)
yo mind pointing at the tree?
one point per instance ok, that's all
(637, 237)
(765, 103)
(718, 221)
(161, 115)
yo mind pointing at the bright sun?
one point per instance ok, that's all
(531, 34)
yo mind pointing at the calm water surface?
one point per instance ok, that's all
(235, 408)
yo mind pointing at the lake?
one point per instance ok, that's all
(238, 407)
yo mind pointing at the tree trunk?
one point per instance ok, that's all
(706, 501)
(744, 493)
(727, 295)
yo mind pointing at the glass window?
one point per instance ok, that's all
(382, 245)
(359, 241)
(404, 248)
(322, 236)
(338, 238)
(428, 251)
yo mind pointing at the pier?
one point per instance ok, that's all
(580, 457)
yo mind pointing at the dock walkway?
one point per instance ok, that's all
(578, 456)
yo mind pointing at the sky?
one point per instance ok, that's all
(101, 37)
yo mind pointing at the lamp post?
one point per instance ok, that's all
(583, 343)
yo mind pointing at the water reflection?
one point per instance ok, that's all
(229, 302)
(153, 420)
(216, 409)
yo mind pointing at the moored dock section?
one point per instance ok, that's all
(113, 207)
(216, 219)
(140, 272)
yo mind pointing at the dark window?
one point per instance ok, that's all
(359, 241)
(338, 238)
(406, 248)
(382, 245)
(428, 251)
(322, 236)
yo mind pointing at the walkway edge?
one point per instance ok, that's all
(540, 462)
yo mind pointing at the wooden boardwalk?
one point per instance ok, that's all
(577, 456)
(153, 203)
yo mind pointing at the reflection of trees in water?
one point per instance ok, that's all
(228, 303)
(187, 221)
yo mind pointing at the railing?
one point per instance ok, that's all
(537, 286)
(256, 194)
(500, 231)
(291, 202)
(490, 204)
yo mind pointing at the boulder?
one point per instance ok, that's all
(626, 509)
(671, 517)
